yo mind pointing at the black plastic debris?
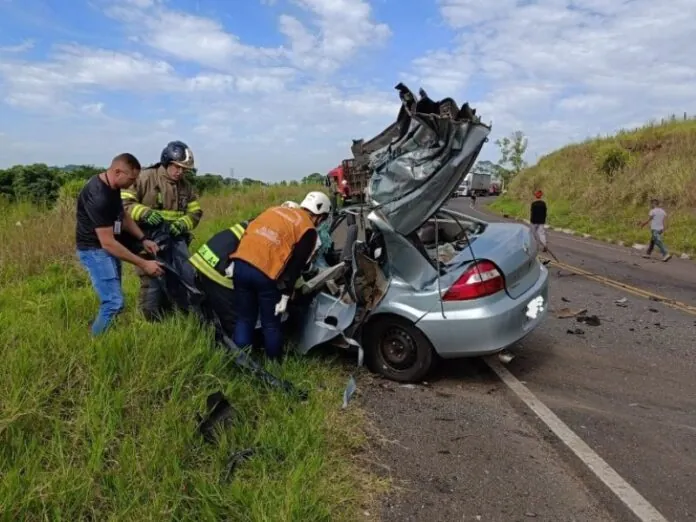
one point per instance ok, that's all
(220, 413)
(235, 459)
(575, 331)
(589, 320)
(653, 310)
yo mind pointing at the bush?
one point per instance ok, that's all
(611, 158)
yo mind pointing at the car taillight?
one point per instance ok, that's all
(481, 280)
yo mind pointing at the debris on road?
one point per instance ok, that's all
(220, 413)
(505, 356)
(565, 300)
(654, 310)
(589, 320)
(575, 331)
(349, 391)
(408, 386)
(235, 459)
(567, 313)
(623, 302)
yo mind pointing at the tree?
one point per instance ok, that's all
(38, 183)
(313, 179)
(512, 149)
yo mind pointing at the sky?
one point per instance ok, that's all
(277, 89)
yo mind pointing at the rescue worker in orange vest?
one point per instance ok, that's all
(270, 258)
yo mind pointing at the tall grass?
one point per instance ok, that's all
(105, 429)
(603, 186)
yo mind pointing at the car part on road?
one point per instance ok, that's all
(589, 320)
(351, 387)
(219, 415)
(235, 459)
(568, 313)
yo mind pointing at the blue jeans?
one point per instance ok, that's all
(105, 272)
(656, 241)
(256, 293)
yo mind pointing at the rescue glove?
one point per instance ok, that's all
(282, 305)
(153, 218)
(178, 227)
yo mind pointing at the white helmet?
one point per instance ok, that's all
(317, 203)
(290, 204)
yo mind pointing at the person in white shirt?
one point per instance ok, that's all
(657, 218)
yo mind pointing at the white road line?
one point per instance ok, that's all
(645, 511)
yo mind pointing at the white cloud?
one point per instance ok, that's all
(342, 27)
(19, 48)
(93, 108)
(594, 65)
(557, 70)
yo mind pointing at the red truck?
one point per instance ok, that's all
(351, 177)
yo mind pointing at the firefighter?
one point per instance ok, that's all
(162, 195)
(270, 258)
(213, 265)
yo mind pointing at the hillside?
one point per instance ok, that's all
(603, 186)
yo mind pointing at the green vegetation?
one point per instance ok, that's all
(42, 184)
(105, 429)
(603, 186)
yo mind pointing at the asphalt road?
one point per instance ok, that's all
(465, 447)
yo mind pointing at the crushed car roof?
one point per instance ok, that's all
(434, 146)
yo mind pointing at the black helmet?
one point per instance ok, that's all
(178, 153)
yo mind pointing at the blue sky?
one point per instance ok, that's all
(276, 89)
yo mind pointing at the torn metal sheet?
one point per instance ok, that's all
(416, 173)
(349, 391)
(326, 319)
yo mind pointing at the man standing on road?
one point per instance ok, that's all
(657, 218)
(99, 239)
(162, 195)
(537, 218)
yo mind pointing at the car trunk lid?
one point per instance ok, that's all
(512, 248)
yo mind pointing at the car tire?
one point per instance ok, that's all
(397, 350)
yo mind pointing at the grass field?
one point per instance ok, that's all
(106, 429)
(603, 186)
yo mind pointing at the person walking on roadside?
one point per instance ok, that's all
(162, 195)
(99, 237)
(269, 260)
(657, 217)
(537, 218)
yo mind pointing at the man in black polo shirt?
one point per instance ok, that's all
(99, 236)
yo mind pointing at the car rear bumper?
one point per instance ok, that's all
(487, 329)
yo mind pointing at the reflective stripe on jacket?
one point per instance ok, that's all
(154, 190)
(213, 257)
(269, 240)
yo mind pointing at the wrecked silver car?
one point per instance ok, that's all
(417, 282)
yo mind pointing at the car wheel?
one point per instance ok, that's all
(398, 350)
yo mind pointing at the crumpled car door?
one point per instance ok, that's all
(414, 175)
(330, 316)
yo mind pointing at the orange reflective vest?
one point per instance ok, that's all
(271, 237)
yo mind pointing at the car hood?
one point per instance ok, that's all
(416, 173)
